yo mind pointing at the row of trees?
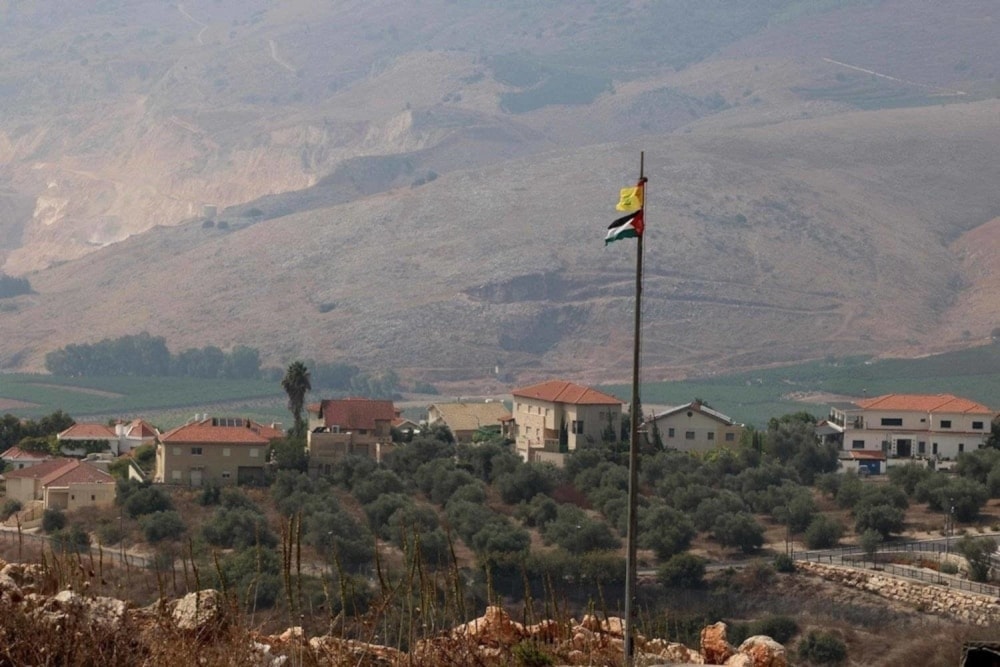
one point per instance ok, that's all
(11, 286)
(144, 355)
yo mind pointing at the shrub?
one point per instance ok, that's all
(779, 628)
(823, 532)
(784, 563)
(738, 529)
(822, 648)
(530, 654)
(947, 567)
(10, 506)
(71, 539)
(53, 520)
(162, 526)
(682, 571)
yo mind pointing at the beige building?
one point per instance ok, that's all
(339, 427)
(226, 450)
(466, 420)
(62, 483)
(555, 417)
(938, 426)
(16, 458)
(693, 427)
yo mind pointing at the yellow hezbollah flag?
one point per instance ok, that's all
(630, 199)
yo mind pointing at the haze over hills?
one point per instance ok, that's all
(425, 187)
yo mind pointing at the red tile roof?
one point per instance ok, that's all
(869, 455)
(90, 431)
(77, 472)
(355, 413)
(559, 391)
(924, 403)
(40, 470)
(140, 429)
(15, 453)
(222, 431)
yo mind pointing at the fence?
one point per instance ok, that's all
(112, 555)
(855, 557)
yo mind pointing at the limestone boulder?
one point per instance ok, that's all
(715, 646)
(494, 628)
(764, 652)
(201, 611)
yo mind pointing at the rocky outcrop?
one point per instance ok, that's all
(981, 610)
(206, 619)
(714, 645)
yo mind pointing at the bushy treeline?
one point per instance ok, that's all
(14, 430)
(11, 286)
(144, 355)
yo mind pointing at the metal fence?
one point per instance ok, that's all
(855, 557)
(97, 551)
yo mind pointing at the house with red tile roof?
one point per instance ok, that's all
(467, 419)
(554, 417)
(693, 427)
(16, 458)
(62, 483)
(226, 450)
(338, 427)
(930, 426)
(121, 438)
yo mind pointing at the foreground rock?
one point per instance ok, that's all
(205, 621)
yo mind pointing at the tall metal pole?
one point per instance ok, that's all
(633, 451)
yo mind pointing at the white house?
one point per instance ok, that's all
(939, 426)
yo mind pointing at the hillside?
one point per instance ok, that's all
(807, 196)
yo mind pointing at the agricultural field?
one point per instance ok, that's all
(753, 397)
(167, 400)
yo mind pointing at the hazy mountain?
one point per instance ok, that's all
(425, 185)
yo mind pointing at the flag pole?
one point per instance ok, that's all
(633, 452)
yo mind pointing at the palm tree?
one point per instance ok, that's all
(296, 384)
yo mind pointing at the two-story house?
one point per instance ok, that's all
(466, 420)
(939, 426)
(338, 427)
(227, 450)
(555, 417)
(693, 427)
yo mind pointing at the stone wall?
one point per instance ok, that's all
(966, 606)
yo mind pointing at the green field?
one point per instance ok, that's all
(166, 400)
(754, 397)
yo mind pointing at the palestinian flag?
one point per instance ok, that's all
(626, 227)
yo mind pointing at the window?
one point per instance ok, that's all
(670, 432)
(857, 444)
(226, 474)
(577, 426)
(689, 435)
(934, 448)
(93, 498)
(177, 451)
(254, 452)
(730, 437)
(72, 497)
(961, 447)
(945, 423)
(196, 451)
(921, 448)
(711, 435)
(977, 426)
(226, 451)
(892, 421)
